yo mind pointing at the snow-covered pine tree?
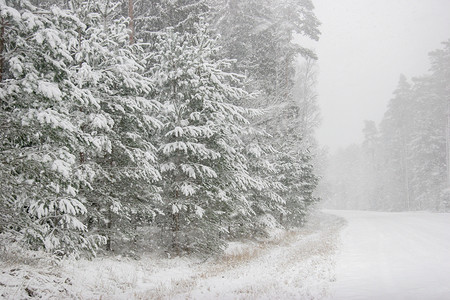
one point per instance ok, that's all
(151, 16)
(428, 143)
(297, 174)
(121, 126)
(290, 160)
(429, 133)
(78, 126)
(40, 136)
(264, 196)
(396, 131)
(440, 66)
(304, 105)
(258, 34)
(204, 175)
(371, 164)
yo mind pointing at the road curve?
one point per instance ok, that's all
(393, 256)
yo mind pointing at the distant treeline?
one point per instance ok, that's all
(402, 163)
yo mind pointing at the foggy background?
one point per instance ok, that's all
(363, 48)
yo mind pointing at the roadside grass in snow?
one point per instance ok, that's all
(239, 252)
(287, 264)
(12, 254)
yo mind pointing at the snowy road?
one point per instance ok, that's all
(393, 256)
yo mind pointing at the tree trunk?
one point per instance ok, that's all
(131, 16)
(2, 41)
(175, 230)
(109, 232)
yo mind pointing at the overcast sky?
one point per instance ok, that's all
(364, 47)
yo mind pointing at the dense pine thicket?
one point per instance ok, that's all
(176, 116)
(402, 163)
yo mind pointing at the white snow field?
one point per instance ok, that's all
(393, 256)
(290, 265)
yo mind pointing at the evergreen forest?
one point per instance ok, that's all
(191, 120)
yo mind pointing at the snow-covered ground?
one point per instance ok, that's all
(376, 256)
(393, 256)
(290, 265)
